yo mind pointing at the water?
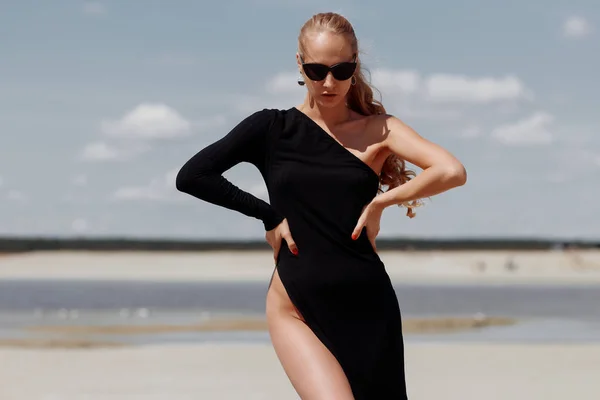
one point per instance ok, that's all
(415, 299)
(545, 313)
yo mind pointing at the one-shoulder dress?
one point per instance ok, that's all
(339, 285)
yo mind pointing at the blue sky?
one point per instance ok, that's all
(102, 102)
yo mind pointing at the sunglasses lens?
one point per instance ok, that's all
(343, 71)
(316, 72)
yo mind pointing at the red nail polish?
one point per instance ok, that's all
(295, 251)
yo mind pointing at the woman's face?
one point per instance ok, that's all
(328, 49)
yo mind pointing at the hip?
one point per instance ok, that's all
(333, 267)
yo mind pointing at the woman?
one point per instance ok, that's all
(333, 316)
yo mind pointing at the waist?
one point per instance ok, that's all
(315, 245)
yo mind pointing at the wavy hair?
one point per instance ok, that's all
(360, 96)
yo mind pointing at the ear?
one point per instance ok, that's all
(298, 61)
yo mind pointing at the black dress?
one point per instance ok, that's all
(339, 285)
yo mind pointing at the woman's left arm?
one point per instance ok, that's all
(441, 170)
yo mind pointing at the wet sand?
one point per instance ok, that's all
(412, 325)
(68, 336)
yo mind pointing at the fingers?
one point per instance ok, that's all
(372, 240)
(274, 243)
(275, 238)
(359, 227)
(357, 230)
(291, 244)
(276, 252)
(371, 236)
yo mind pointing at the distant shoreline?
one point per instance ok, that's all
(27, 244)
(581, 266)
(76, 336)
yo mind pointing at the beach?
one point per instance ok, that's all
(500, 266)
(252, 372)
(219, 369)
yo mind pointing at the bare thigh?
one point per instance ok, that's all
(312, 369)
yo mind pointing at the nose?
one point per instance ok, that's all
(329, 81)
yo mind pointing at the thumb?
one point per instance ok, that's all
(291, 244)
(373, 244)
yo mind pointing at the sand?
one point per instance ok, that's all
(80, 336)
(55, 370)
(531, 267)
(252, 372)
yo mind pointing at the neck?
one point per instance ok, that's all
(329, 115)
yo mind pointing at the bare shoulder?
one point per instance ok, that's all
(399, 138)
(379, 128)
(374, 127)
(388, 125)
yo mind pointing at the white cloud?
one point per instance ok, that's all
(471, 132)
(434, 88)
(163, 189)
(445, 87)
(582, 157)
(528, 131)
(405, 81)
(576, 27)
(80, 180)
(158, 189)
(149, 121)
(593, 159)
(131, 133)
(16, 196)
(389, 80)
(80, 225)
(94, 8)
(283, 83)
(101, 151)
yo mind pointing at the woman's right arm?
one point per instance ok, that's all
(202, 176)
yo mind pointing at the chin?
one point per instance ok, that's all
(330, 102)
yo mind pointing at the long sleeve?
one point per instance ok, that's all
(202, 176)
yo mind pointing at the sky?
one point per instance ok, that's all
(102, 102)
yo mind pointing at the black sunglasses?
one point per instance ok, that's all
(340, 71)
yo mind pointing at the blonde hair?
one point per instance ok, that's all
(360, 97)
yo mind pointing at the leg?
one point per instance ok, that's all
(312, 369)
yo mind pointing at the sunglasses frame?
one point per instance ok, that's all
(329, 68)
